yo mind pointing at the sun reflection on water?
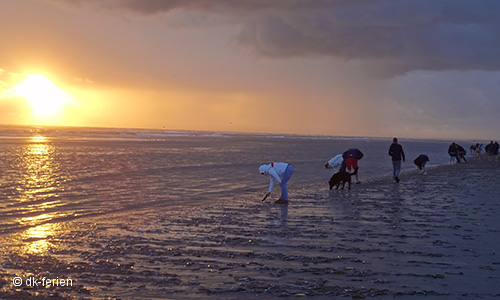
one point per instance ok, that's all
(35, 240)
(39, 185)
(39, 179)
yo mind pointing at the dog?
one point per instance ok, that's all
(341, 177)
(338, 178)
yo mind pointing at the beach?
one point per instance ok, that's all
(434, 237)
(187, 150)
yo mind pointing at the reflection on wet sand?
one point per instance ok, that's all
(35, 239)
(38, 186)
(427, 237)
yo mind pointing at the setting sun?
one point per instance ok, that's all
(44, 98)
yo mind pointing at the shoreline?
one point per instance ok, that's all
(434, 235)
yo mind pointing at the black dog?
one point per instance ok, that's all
(341, 177)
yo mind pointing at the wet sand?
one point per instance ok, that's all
(435, 236)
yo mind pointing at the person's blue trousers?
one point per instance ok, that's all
(396, 167)
(286, 176)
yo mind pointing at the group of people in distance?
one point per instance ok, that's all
(491, 150)
(457, 152)
(345, 166)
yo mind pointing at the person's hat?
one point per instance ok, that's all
(263, 169)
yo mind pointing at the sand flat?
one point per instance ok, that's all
(436, 235)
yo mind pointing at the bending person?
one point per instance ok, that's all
(335, 163)
(420, 162)
(350, 164)
(280, 172)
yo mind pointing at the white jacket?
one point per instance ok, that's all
(275, 170)
(335, 162)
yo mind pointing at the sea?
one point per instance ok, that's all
(57, 174)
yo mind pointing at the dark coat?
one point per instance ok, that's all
(421, 159)
(396, 152)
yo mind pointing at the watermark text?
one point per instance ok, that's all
(41, 282)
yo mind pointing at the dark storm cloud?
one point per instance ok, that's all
(392, 37)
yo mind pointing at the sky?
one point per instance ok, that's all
(408, 68)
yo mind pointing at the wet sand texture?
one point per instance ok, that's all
(436, 235)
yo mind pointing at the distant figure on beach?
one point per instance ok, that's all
(397, 153)
(480, 148)
(453, 153)
(280, 172)
(350, 164)
(420, 162)
(479, 151)
(496, 148)
(335, 163)
(492, 150)
(473, 149)
(461, 152)
(489, 149)
(457, 153)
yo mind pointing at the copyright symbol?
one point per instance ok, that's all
(17, 281)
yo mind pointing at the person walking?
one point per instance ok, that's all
(397, 153)
(280, 172)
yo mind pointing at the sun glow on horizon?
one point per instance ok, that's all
(46, 100)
